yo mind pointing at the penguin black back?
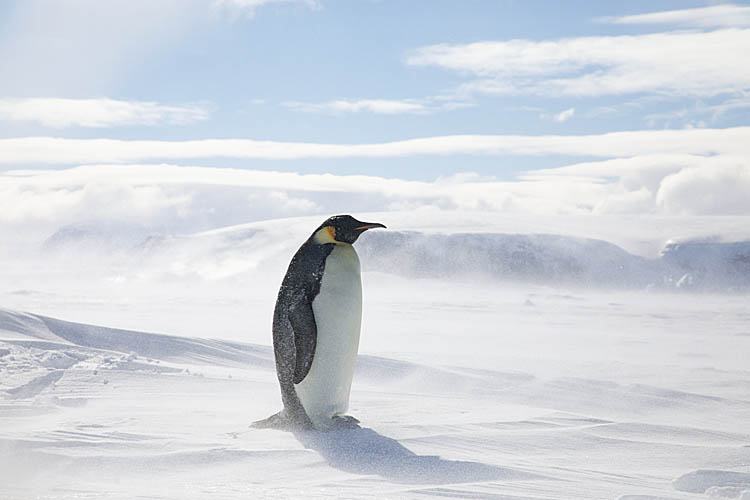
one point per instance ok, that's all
(299, 288)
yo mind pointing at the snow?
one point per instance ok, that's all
(546, 384)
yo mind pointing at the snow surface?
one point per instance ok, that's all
(498, 393)
(604, 360)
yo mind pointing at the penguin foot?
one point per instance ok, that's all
(281, 421)
(275, 421)
(345, 422)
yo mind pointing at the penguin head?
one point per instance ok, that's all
(342, 229)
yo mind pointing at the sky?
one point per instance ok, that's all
(530, 106)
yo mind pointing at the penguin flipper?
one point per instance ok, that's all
(302, 319)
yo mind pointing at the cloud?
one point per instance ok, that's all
(723, 16)
(26, 201)
(377, 106)
(564, 116)
(191, 199)
(673, 184)
(668, 172)
(706, 190)
(383, 106)
(53, 150)
(682, 63)
(33, 204)
(249, 7)
(700, 112)
(663, 164)
(102, 112)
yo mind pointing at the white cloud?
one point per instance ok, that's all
(708, 190)
(662, 164)
(102, 112)
(674, 184)
(288, 203)
(677, 63)
(249, 7)
(27, 200)
(197, 198)
(623, 201)
(564, 116)
(383, 106)
(53, 150)
(377, 106)
(670, 172)
(700, 112)
(726, 15)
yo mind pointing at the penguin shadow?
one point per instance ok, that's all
(363, 451)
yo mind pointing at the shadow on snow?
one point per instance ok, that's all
(364, 451)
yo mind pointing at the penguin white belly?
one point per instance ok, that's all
(324, 392)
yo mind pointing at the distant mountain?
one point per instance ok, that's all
(544, 259)
(557, 260)
(708, 264)
(97, 237)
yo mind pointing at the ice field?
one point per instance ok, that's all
(554, 378)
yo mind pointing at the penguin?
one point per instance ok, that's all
(316, 327)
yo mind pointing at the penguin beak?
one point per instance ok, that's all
(369, 225)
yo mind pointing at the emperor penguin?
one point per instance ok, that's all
(316, 326)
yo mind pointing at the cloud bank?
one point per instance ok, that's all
(53, 150)
(188, 199)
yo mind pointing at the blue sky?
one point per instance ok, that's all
(627, 107)
(268, 70)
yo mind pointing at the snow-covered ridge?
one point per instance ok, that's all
(550, 259)
(545, 259)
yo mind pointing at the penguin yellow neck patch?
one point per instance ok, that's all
(326, 235)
